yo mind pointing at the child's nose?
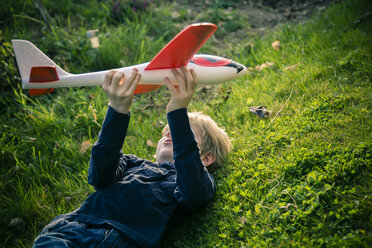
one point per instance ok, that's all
(167, 134)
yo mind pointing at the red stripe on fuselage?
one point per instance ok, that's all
(210, 63)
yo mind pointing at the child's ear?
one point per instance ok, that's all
(208, 159)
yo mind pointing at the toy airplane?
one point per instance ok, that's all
(40, 74)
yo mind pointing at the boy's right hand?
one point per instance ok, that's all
(120, 89)
(181, 88)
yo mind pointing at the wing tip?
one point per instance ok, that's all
(204, 24)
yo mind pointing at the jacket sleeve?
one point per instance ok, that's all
(195, 186)
(107, 163)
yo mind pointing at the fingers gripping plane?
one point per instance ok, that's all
(40, 74)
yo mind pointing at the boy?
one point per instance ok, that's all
(135, 198)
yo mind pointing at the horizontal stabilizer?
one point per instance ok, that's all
(43, 74)
(36, 92)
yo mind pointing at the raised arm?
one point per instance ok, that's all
(195, 186)
(105, 163)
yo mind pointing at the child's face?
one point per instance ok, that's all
(164, 150)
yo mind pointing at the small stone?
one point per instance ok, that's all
(17, 223)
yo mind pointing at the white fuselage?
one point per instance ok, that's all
(207, 75)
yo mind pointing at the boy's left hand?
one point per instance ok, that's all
(120, 89)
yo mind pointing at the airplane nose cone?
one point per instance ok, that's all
(240, 69)
(244, 71)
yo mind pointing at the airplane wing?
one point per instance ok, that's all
(180, 50)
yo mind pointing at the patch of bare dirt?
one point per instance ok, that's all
(267, 14)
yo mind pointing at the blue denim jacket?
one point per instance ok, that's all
(137, 197)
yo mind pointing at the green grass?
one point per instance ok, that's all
(299, 178)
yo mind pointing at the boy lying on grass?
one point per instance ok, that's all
(135, 198)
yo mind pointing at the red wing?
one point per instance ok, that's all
(180, 50)
(146, 88)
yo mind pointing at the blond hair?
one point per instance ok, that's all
(214, 138)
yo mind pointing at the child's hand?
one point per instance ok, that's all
(120, 89)
(181, 89)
